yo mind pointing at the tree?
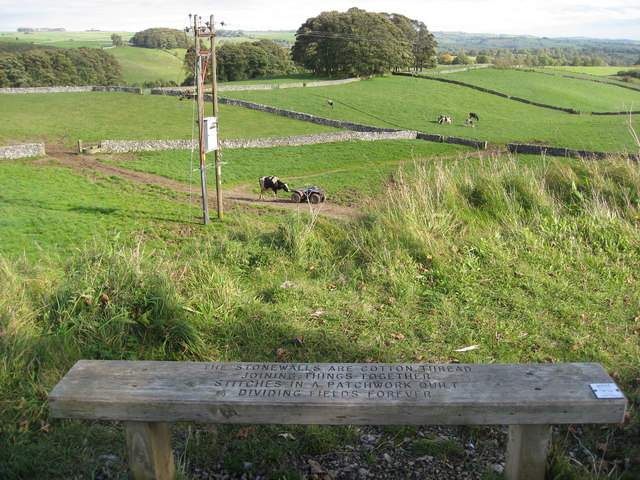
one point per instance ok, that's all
(116, 40)
(445, 59)
(161, 38)
(483, 59)
(461, 59)
(423, 44)
(13, 72)
(355, 42)
(242, 61)
(279, 57)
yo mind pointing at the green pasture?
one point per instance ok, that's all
(97, 39)
(415, 104)
(553, 90)
(95, 116)
(441, 68)
(611, 79)
(48, 210)
(598, 71)
(141, 65)
(275, 35)
(364, 159)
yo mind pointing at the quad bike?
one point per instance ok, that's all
(313, 195)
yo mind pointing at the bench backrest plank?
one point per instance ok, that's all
(333, 394)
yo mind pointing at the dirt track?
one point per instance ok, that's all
(243, 194)
(84, 164)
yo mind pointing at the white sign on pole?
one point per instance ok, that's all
(210, 134)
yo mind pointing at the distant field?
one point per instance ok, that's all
(281, 36)
(123, 116)
(100, 39)
(415, 104)
(441, 68)
(552, 90)
(141, 65)
(599, 71)
(96, 39)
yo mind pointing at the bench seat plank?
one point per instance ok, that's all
(335, 394)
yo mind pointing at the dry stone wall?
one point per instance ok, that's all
(22, 150)
(115, 146)
(563, 152)
(178, 91)
(69, 90)
(127, 146)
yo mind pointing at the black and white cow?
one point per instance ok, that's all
(330, 103)
(444, 119)
(474, 116)
(271, 183)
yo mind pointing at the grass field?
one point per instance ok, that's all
(363, 161)
(532, 259)
(97, 39)
(552, 90)
(598, 71)
(415, 104)
(94, 116)
(282, 36)
(62, 209)
(141, 65)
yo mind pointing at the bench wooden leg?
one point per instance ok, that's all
(527, 452)
(149, 450)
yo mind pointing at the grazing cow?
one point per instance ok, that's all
(272, 183)
(444, 119)
(474, 116)
(469, 123)
(330, 103)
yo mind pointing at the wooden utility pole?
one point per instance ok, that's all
(207, 141)
(214, 94)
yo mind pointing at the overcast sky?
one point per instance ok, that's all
(543, 18)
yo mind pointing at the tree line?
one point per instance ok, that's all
(47, 67)
(534, 57)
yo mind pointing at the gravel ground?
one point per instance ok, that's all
(439, 453)
(378, 453)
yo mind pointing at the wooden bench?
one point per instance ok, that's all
(147, 396)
